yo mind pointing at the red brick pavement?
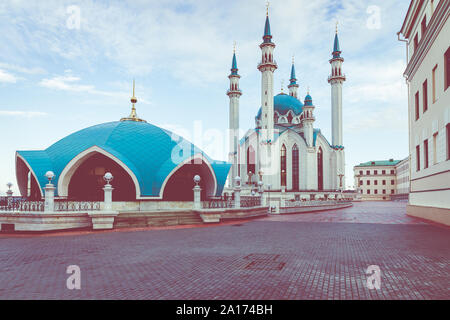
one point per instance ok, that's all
(263, 259)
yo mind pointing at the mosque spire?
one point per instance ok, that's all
(267, 34)
(293, 86)
(133, 115)
(336, 49)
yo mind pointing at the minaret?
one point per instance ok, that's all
(336, 79)
(293, 86)
(133, 115)
(267, 66)
(234, 93)
(308, 120)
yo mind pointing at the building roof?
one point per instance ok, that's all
(378, 163)
(283, 103)
(150, 152)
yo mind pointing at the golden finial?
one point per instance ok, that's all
(307, 90)
(282, 85)
(133, 115)
(234, 46)
(292, 59)
(337, 22)
(267, 8)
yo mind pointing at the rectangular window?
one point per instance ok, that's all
(384, 191)
(417, 158)
(384, 182)
(447, 68)
(368, 172)
(416, 42)
(435, 148)
(392, 172)
(360, 173)
(417, 105)
(376, 191)
(423, 26)
(383, 172)
(392, 191)
(376, 182)
(448, 141)
(368, 191)
(360, 182)
(433, 83)
(425, 154)
(392, 182)
(375, 172)
(425, 95)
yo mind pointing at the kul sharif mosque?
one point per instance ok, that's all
(284, 151)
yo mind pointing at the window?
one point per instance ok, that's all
(425, 153)
(360, 172)
(423, 26)
(433, 83)
(447, 68)
(384, 191)
(417, 158)
(375, 191)
(375, 182)
(425, 95)
(392, 172)
(383, 172)
(392, 182)
(417, 105)
(368, 172)
(416, 42)
(368, 191)
(435, 148)
(375, 172)
(392, 191)
(295, 168)
(448, 141)
(368, 182)
(360, 182)
(283, 165)
(251, 160)
(320, 169)
(384, 182)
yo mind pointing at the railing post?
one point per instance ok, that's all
(108, 189)
(9, 194)
(49, 204)
(237, 193)
(197, 193)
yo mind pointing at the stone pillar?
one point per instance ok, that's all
(108, 189)
(237, 197)
(197, 197)
(49, 204)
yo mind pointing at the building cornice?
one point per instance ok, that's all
(435, 25)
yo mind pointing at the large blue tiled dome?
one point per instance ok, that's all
(150, 152)
(282, 103)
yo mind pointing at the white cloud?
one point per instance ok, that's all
(7, 77)
(20, 69)
(25, 114)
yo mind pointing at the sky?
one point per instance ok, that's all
(68, 65)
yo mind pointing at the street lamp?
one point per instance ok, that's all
(49, 175)
(108, 177)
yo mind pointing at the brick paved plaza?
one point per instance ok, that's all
(309, 256)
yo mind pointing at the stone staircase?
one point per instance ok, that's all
(139, 219)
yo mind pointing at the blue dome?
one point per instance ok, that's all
(282, 103)
(150, 152)
(308, 100)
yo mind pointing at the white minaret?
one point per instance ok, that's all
(234, 93)
(336, 80)
(293, 86)
(267, 66)
(308, 121)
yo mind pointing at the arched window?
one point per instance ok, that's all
(251, 159)
(275, 118)
(295, 168)
(320, 169)
(283, 166)
(289, 118)
(265, 60)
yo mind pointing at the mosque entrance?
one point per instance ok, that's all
(87, 181)
(180, 184)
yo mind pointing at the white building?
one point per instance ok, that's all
(426, 29)
(284, 150)
(402, 177)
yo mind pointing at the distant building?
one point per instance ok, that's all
(402, 180)
(376, 180)
(426, 29)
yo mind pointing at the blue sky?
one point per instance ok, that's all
(56, 78)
